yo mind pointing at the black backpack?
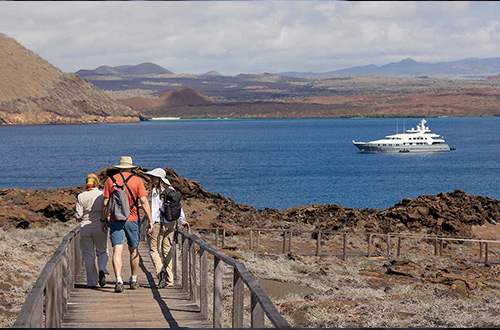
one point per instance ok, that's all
(172, 204)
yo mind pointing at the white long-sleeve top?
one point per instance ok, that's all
(157, 207)
(88, 208)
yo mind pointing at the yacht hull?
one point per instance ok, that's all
(373, 148)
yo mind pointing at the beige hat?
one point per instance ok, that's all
(159, 173)
(125, 162)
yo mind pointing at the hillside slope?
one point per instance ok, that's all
(181, 96)
(33, 91)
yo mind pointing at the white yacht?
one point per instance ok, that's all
(418, 139)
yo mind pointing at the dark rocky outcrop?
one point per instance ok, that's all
(451, 213)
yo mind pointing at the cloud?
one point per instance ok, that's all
(255, 36)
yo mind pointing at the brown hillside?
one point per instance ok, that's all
(33, 91)
(184, 95)
(181, 96)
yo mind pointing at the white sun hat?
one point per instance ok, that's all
(159, 173)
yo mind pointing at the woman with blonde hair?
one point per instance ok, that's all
(93, 241)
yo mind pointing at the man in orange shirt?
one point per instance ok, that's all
(118, 230)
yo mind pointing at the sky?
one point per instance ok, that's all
(233, 37)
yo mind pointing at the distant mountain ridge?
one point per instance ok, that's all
(409, 67)
(146, 68)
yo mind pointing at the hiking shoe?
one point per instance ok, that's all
(102, 278)
(133, 284)
(119, 287)
(162, 279)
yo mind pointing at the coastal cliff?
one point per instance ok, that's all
(33, 91)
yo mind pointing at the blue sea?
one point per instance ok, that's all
(275, 163)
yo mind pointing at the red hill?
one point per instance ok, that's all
(181, 96)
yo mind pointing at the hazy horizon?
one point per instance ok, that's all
(252, 36)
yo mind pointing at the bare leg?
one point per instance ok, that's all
(134, 260)
(117, 259)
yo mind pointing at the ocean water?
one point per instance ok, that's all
(276, 163)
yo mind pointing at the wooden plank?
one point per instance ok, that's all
(237, 300)
(344, 246)
(146, 307)
(318, 244)
(284, 242)
(203, 282)
(192, 271)
(256, 312)
(184, 257)
(217, 306)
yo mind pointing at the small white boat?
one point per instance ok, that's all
(418, 139)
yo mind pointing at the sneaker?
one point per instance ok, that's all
(133, 285)
(170, 285)
(102, 278)
(162, 282)
(119, 287)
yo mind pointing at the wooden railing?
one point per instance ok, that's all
(47, 301)
(260, 304)
(254, 234)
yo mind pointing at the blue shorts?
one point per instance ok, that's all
(119, 229)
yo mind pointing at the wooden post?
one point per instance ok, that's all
(388, 245)
(318, 244)
(174, 255)
(284, 242)
(399, 246)
(217, 238)
(369, 252)
(223, 238)
(250, 239)
(290, 241)
(76, 247)
(486, 253)
(436, 246)
(192, 270)
(54, 294)
(480, 250)
(257, 314)
(344, 246)
(203, 283)
(237, 300)
(257, 240)
(441, 247)
(217, 306)
(185, 274)
(65, 288)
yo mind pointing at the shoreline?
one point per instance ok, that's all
(173, 119)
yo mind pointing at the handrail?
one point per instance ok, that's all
(260, 302)
(47, 300)
(288, 233)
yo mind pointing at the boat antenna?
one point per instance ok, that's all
(404, 125)
(397, 124)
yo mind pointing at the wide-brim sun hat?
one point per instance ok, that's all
(125, 162)
(159, 173)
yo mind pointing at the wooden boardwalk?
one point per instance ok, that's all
(146, 307)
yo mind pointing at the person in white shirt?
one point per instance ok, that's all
(162, 236)
(93, 240)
